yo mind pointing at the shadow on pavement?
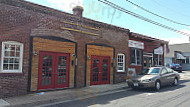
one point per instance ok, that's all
(105, 99)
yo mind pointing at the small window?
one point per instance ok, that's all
(11, 59)
(121, 63)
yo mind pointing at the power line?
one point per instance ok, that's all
(174, 11)
(170, 20)
(185, 2)
(143, 18)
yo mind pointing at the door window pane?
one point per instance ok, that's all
(62, 69)
(105, 70)
(95, 71)
(46, 70)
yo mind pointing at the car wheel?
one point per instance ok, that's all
(157, 86)
(175, 83)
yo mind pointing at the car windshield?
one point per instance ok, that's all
(174, 64)
(150, 71)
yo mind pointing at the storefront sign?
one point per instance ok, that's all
(136, 44)
(159, 50)
(130, 73)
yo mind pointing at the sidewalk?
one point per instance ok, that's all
(66, 95)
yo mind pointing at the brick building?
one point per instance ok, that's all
(42, 49)
(145, 51)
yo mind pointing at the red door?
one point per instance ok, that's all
(53, 70)
(100, 70)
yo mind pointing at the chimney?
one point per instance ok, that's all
(78, 10)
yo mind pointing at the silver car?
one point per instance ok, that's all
(154, 77)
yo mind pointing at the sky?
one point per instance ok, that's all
(177, 10)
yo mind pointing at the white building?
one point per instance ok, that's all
(179, 53)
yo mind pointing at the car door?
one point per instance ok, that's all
(164, 77)
(171, 75)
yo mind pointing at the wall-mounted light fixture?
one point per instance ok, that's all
(35, 53)
(74, 55)
(88, 58)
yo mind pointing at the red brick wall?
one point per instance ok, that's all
(18, 23)
(15, 26)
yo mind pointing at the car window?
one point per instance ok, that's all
(164, 71)
(169, 70)
(150, 71)
(176, 64)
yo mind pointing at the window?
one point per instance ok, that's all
(164, 71)
(121, 63)
(169, 70)
(187, 61)
(11, 59)
(135, 56)
(158, 59)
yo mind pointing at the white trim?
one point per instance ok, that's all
(121, 62)
(20, 60)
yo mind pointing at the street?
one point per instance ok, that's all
(169, 96)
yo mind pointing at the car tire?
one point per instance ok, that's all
(175, 82)
(157, 85)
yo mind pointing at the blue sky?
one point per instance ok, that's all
(177, 10)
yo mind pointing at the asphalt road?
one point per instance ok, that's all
(169, 96)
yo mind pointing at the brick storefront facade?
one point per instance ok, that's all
(23, 22)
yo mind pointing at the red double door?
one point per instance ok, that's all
(100, 70)
(53, 70)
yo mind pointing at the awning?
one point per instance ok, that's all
(180, 56)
